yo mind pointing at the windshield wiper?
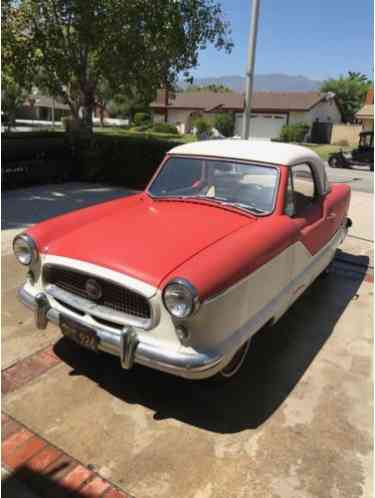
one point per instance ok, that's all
(248, 207)
(225, 202)
(220, 200)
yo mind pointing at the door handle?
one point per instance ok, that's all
(331, 216)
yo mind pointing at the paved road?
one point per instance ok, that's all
(360, 178)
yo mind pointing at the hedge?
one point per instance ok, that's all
(28, 159)
(125, 161)
(165, 128)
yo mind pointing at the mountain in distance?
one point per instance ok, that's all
(262, 83)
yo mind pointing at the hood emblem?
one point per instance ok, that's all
(93, 289)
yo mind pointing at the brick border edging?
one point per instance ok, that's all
(48, 470)
(27, 369)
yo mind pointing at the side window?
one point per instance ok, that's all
(303, 187)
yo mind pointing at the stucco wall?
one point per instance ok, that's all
(180, 118)
(345, 132)
(324, 111)
(157, 117)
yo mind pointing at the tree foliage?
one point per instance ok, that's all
(123, 45)
(224, 123)
(202, 126)
(208, 88)
(18, 60)
(350, 92)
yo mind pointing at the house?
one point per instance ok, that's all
(181, 109)
(366, 114)
(41, 108)
(270, 110)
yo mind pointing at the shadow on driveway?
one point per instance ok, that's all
(277, 359)
(26, 206)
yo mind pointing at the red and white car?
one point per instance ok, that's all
(180, 277)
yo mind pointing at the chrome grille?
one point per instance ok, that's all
(113, 296)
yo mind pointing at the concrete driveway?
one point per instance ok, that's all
(296, 422)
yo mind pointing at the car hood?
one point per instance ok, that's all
(138, 236)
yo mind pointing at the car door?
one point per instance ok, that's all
(308, 212)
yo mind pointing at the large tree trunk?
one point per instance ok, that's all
(88, 104)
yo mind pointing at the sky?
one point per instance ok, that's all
(316, 38)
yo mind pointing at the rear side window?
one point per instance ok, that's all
(304, 189)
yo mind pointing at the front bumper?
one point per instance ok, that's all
(127, 346)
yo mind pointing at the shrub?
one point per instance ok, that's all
(224, 123)
(147, 125)
(202, 126)
(141, 118)
(165, 128)
(294, 133)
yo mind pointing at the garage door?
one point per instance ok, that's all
(263, 126)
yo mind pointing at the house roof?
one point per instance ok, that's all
(288, 101)
(262, 101)
(203, 101)
(45, 101)
(370, 97)
(367, 112)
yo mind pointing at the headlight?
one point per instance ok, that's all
(180, 298)
(25, 249)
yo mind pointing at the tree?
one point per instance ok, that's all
(125, 45)
(18, 61)
(350, 92)
(208, 88)
(224, 123)
(203, 127)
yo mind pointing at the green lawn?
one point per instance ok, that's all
(324, 150)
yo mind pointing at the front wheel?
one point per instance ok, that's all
(232, 368)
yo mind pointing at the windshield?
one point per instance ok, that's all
(244, 185)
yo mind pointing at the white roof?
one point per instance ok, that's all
(257, 150)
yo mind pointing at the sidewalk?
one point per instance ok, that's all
(360, 239)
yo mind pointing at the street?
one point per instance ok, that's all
(360, 179)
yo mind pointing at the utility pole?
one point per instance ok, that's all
(250, 69)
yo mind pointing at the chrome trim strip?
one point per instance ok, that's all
(104, 312)
(189, 365)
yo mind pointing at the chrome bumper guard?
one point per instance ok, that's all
(126, 344)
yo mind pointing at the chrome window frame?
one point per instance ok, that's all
(225, 160)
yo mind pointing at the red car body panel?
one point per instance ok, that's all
(244, 251)
(211, 246)
(138, 236)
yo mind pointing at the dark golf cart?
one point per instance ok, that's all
(364, 154)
